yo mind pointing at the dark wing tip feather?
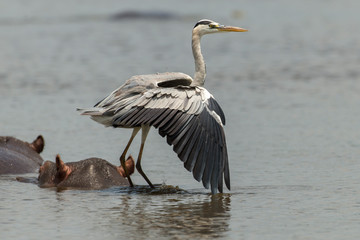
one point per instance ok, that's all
(213, 105)
(200, 147)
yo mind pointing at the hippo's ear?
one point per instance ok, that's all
(62, 170)
(129, 164)
(38, 144)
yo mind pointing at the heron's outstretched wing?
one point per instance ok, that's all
(130, 91)
(192, 122)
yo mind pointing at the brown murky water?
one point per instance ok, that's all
(289, 89)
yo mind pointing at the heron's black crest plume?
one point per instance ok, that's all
(203, 22)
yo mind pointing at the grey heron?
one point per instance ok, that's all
(180, 108)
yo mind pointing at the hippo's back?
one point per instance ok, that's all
(17, 157)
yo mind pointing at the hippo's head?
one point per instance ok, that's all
(50, 174)
(47, 173)
(82, 173)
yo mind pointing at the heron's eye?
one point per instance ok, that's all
(211, 25)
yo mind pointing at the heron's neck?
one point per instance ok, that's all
(200, 69)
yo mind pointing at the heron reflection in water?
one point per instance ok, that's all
(183, 111)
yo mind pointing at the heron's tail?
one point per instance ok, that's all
(91, 111)
(97, 114)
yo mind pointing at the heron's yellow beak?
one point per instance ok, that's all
(231, 29)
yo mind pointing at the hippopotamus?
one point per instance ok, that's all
(91, 173)
(19, 157)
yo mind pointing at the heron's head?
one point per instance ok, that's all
(206, 26)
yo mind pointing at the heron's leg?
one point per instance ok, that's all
(144, 133)
(123, 155)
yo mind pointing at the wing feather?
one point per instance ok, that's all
(195, 138)
(167, 119)
(199, 167)
(182, 138)
(216, 107)
(214, 178)
(208, 166)
(184, 121)
(161, 117)
(190, 162)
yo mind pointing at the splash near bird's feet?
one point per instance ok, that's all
(158, 189)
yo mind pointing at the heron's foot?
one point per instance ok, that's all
(130, 181)
(139, 168)
(150, 184)
(146, 178)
